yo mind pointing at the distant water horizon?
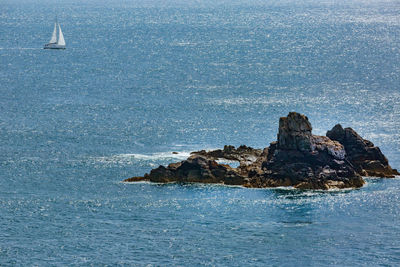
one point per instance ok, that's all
(142, 79)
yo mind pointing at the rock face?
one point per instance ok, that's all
(243, 154)
(298, 159)
(366, 158)
(308, 161)
(196, 169)
(294, 132)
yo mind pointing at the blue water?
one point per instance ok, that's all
(141, 79)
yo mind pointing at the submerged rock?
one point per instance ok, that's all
(298, 159)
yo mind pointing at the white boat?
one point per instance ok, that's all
(56, 43)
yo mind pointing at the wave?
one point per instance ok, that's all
(132, 158)
(183, 43)
(19, 48)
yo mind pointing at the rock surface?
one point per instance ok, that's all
(243, 154)
(307, 161)
(298, 159)
(196, 169)
(294, 132)
(366, 158)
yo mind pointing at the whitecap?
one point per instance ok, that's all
(134, 157)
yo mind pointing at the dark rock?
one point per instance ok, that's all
(135, 179)
(298, 159)
(196, 169)
(367, 159)
(243, 154)
(305, 160)
(294, 132)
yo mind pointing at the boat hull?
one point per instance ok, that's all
(54, 46)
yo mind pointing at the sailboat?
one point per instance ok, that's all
(56, 43)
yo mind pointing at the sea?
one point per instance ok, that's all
(140, 80)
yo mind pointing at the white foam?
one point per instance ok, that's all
(183, 43)
(138, 182)
(131, 158)
(232, 163)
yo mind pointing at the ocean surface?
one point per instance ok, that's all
(142, 79)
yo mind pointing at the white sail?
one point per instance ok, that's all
(53, 39)
(61, 40)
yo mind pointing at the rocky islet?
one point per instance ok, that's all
(298, 158)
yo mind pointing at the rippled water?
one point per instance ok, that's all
(140, 80)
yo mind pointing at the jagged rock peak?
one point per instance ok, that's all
(295, 122)
(336, 133)
(298, 159)
(367, 159)
(294, 132)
